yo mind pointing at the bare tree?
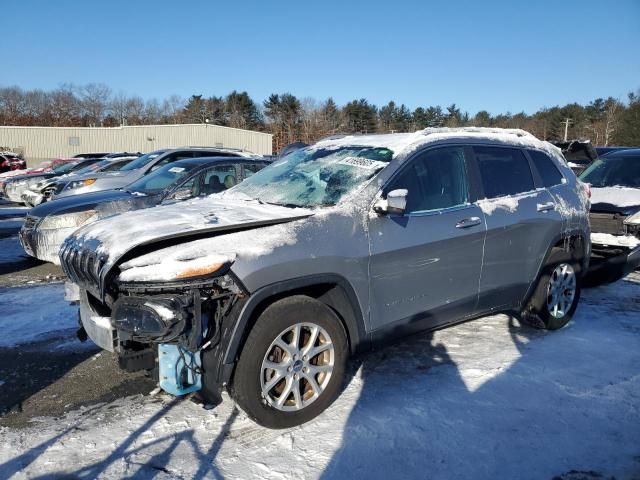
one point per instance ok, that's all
(95, 99)
(611, 115)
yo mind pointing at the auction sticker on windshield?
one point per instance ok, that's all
(362, 163)
(176, 169)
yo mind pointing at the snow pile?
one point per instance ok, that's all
(177, 265)
(607, 239)
(32, 314)
(618, 196)
(486, 399)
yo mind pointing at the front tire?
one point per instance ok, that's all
(556, 296)
(292, 365)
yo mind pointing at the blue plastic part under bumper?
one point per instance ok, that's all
(177, 378)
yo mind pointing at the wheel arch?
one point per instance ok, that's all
(577, 248)
(332, 290)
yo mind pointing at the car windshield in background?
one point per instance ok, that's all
(614, 171)
(140, 161)
(65, 167)
(160, 180)
(93, 168)
(310, 177)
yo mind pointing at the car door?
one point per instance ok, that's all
(425, 264)
(521, 223)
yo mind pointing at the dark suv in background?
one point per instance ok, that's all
(615, 213)
(267, 288)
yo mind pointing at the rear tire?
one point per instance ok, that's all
(292, 365)
(557, 293)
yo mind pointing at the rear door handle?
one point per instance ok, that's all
(545, 207)
(469, 222)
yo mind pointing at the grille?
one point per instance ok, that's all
(607, 223)
(30, 222)
(82, 266)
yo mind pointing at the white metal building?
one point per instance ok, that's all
(40, 143)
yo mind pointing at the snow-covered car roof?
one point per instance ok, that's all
(404, 143)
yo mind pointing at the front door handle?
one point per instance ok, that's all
(469, 222)
(545, 207)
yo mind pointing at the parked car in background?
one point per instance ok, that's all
(142, 166)
(45, 189)
(93, 155)
(606, 150)
(579, 154)
(267, 288)
(11, 161)
(615, 212)
(47, 225)
(13, 187)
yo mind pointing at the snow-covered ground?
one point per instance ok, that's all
(36, 314)
(485, 399)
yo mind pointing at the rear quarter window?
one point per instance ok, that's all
(504, 171)
(546, 168)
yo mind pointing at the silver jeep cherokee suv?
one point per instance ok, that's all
(266, 289)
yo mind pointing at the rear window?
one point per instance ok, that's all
(546, 168)
(504, 171)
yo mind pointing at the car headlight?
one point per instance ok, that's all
(633, 219)
(68, 220)
(80, 183)
(176, 270)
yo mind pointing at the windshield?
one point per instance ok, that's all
(309, 177)
(93, 168)
(65, 167)
(613, 171)
(161, 179)
(140, 161)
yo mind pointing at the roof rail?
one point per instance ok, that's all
(510, 131)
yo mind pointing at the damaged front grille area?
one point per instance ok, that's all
(82, 266)
(612, 223)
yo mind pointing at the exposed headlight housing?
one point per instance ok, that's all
(67, 220)
(155, 319)
(80, 183)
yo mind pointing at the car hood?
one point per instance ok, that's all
(33, 178)
(112, 238)
(77, 203)
(622, 200)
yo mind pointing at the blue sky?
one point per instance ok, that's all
(495, 55)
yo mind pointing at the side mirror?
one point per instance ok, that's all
(182, 194)
(396, 202)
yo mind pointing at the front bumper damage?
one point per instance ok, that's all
(613, 257)
(179, 334)
(31, 198)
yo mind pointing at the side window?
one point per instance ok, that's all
(436, 179)
(218, 179)
(504, 171)
(546, 168)
(248, 170)
(172, 158)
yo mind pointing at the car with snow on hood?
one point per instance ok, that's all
(141, 167)
(614, 180)
(47, 225)
(266, 289)
(13, 187)
(45, 189)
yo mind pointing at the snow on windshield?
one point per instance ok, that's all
(313, 177)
